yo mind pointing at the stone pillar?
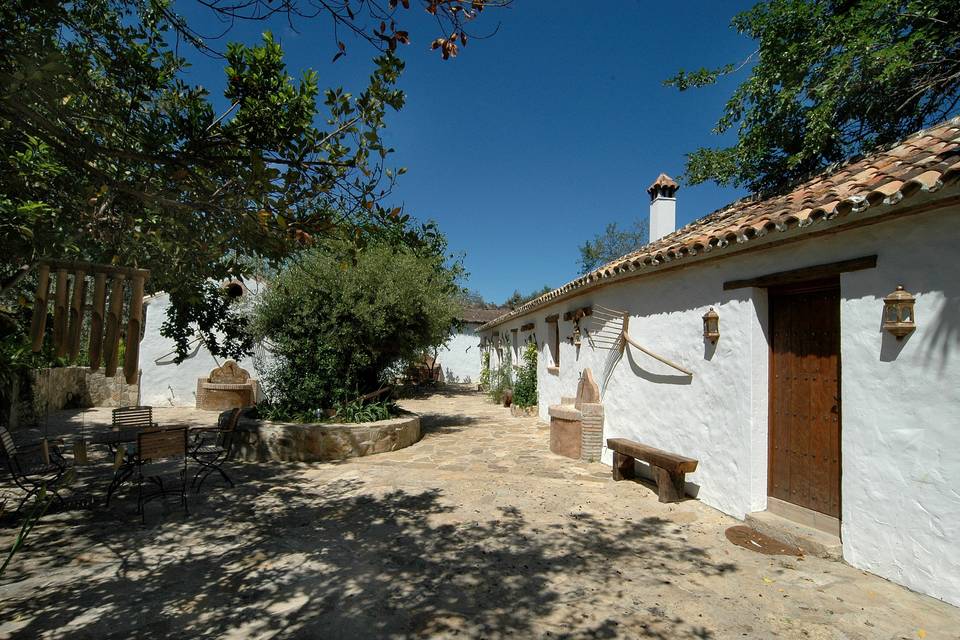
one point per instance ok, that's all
(591, 433)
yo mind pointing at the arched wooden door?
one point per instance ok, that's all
(804, 446)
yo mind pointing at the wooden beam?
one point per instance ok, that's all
(76, 313)
(554, 318)
(131, 356)
(527, 327)
(60, 313)
(38, 323)
(112, 339)
(807, 273)
(91, 267)
(96, 319)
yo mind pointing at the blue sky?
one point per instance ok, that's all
(530, 142)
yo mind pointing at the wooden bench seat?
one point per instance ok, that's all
(668, 468)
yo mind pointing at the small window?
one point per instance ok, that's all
(553, 338)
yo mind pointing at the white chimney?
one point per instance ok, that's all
(663, 207)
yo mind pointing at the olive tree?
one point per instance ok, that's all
(337, 320)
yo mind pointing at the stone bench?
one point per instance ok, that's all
(668, 468)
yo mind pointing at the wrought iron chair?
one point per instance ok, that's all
(30, 469)
(161, 461)
(212, 447)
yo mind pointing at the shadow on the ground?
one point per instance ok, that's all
(282, 555)
(445, 422)
(442, 390)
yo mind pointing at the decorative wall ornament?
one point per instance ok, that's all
(611, 331)
(711, 326)
(898, 316)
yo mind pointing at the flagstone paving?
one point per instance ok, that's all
(476, 531)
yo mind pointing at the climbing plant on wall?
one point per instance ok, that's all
(525, 390)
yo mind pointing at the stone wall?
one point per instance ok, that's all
(46, 390)
(260, 440)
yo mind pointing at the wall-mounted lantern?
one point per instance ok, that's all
(898, 316)
(711, 326)
(575, 338)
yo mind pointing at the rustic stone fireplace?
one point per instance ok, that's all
(226, 387)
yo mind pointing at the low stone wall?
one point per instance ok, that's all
(58, 388)
(261, 441)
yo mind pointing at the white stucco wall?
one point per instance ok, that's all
(461, 356)
(163, 383)
(900, 401)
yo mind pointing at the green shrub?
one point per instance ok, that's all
(501, 379)
(525, 390)
(485, 370)
(338, 322)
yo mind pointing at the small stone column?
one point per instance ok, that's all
(591, 432)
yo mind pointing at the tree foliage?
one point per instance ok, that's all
(516, 298)
(338, 322)
(108, 154)
(613, 243)
(829, 80)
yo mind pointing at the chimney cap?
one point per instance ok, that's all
(664, 185)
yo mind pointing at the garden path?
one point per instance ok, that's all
(475, 531)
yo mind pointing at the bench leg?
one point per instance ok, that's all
(670, 488)
(622, 466)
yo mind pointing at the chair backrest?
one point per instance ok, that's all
(9, 446)
(162, 443)
(227, 421)
(133, 417)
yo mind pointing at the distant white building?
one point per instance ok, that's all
(459, 358)
(806, 404)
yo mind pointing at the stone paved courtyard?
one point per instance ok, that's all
(476, 531)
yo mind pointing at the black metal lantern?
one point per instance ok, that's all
(898, 316)
(711, 326)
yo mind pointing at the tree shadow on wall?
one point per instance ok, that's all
(281, 556)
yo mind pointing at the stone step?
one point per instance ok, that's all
(813, 541)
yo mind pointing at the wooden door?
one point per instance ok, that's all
(804, 456)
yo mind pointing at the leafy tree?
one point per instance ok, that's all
(338, 321)
(107, 154)
(829, 80)
(516, 298)
(613, 243)
(473, 298)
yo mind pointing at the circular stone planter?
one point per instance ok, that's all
(261, 440)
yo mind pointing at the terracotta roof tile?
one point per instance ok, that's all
(924, 162)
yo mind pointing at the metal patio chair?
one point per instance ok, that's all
(30, 470)
(212, 447)
(161, 462)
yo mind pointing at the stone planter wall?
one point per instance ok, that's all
(261, 441)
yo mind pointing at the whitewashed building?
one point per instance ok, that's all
(163, 382)
(459, 357)
(806, 404)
